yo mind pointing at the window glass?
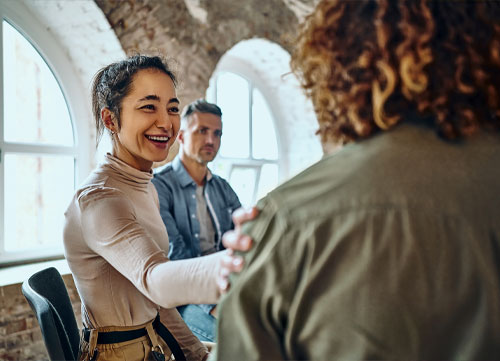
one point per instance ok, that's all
(268, 179)
(242, 179)
(37, 191)
(232, 97)
(35, 110)
(264, 143)
(221, 167)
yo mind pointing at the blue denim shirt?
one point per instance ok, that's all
(176, 191)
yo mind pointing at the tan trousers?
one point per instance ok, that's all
(138, 349)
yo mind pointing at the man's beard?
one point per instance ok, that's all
(204, 159)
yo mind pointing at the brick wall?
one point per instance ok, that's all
(197, 33)
(20, 335)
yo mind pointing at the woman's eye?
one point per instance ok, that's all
(148, 107)
(174, 110)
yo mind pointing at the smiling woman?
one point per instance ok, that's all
(149, 120)
(115, 240)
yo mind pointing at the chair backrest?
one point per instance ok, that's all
(48, 297)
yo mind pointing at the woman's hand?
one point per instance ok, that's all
(235, 241)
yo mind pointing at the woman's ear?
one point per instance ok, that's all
(108, 119)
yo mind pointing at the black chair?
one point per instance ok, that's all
(48, 297)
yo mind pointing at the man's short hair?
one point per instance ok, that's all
(199, 106)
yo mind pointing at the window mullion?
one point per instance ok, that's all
(37, 149)
(250, 118)
(252, 162)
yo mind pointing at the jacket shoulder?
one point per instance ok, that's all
(166, 172)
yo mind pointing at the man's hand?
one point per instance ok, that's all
(235, 241)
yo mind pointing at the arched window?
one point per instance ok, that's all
(269, 125)
(249, 153)
(39, 148)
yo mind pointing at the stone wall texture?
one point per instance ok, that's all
(196, 33)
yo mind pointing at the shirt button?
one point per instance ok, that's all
(193, 216)
(193, 196)
(196, 235)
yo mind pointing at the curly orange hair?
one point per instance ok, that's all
(367, 64)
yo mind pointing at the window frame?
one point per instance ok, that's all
(18, 16)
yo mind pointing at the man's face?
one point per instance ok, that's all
(200, 141)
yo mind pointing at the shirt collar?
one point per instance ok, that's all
(182, 174)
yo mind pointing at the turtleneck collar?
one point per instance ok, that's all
(127, 173)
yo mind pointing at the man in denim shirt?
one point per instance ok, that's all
(196, 205)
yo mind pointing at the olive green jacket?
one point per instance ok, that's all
(388, 249)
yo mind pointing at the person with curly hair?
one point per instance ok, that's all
(388, 248)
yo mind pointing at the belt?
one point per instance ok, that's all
(115, 336)
(123, 336)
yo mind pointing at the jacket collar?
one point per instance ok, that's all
(182, 174)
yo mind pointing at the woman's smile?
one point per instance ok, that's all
(160, 141)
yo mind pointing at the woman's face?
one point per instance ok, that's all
(150, 120)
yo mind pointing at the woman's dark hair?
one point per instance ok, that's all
(368, 64)
(113, 82)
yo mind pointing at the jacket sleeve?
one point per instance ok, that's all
(179, 246)
(232, 203)
(232, 198)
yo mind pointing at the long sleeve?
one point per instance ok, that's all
(232, 198)
(233, 201)
(111, 229)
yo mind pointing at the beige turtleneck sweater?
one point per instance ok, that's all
(116, 244)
